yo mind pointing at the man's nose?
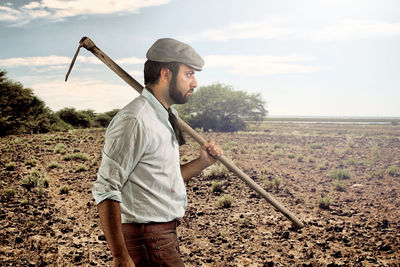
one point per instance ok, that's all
(194, 82)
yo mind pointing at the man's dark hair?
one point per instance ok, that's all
(152, 70)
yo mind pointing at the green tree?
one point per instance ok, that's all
(103, 119)
(79, 119)
(220, 108)
(20, 110)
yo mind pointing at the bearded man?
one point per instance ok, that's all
(140, 188)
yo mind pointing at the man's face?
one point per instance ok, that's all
(182, 84)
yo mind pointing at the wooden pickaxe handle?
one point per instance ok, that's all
(89, 45)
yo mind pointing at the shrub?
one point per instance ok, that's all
(45, 182)
(340, 174)
(274, 183)
(81, 119)
(60, 149)
(54, 165)
(351, 161)
(322, 166)
(76, 156)
(104, 119)
(8, 193)
(64, 190)
(277, 145)
(245, 222)
(287, 191)
(80, 168)
(217, 170)
(224, 201)
(316, 146)
(291, 155)
(217, 187)
(10, 166)
(32, 180)
(31, 162)
(380, 174)
(392, 170)
(339, 186)
(300, 158)
(324, 202)
(21, 111)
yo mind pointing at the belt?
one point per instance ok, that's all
(149, 227)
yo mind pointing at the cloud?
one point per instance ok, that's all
(260, 65)
(56, 10)
(130, 60)
(83, 94)
(357, 29)
(53, 60)
(289, 28)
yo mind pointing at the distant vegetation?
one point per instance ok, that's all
(216, 107)
(23, 112)
(220, 108)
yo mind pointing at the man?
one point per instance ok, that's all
(140, 189)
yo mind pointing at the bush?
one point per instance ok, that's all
(104, 119)
(75, 118)
(80, 168)
(392, 170)
(217, 170)
(339, 186)
(76, 156)
(58, 125)
(20, 110)
(324, 202)
(60, 149)
(220, 108)
(64, 190)
(340, 174)
(322, 166)
(32, 180)
(225, 201)
(315, 146)
(274, 183)
(54, 165)
(300, 158)
(10, 166)
(7, 194)
(31, 162)
(216, 187)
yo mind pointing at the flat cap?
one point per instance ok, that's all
(171, 50)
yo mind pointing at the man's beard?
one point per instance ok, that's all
(175, 94)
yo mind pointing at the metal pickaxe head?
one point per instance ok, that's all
(85, 42)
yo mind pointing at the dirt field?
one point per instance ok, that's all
(342, 181)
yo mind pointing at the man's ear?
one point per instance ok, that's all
(165, 74)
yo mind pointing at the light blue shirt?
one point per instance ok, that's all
(140, 165)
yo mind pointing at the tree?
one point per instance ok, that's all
(20, 110)
(220, 108)
(103, 119)
(80, 119)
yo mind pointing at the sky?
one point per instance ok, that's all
(305, 58)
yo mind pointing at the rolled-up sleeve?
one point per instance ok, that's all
(124, 145)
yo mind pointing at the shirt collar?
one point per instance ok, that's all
(157, 105)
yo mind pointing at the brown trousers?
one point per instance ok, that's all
(154, 244)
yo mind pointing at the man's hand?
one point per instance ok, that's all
(209, 152)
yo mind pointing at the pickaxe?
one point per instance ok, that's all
(89, 45)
